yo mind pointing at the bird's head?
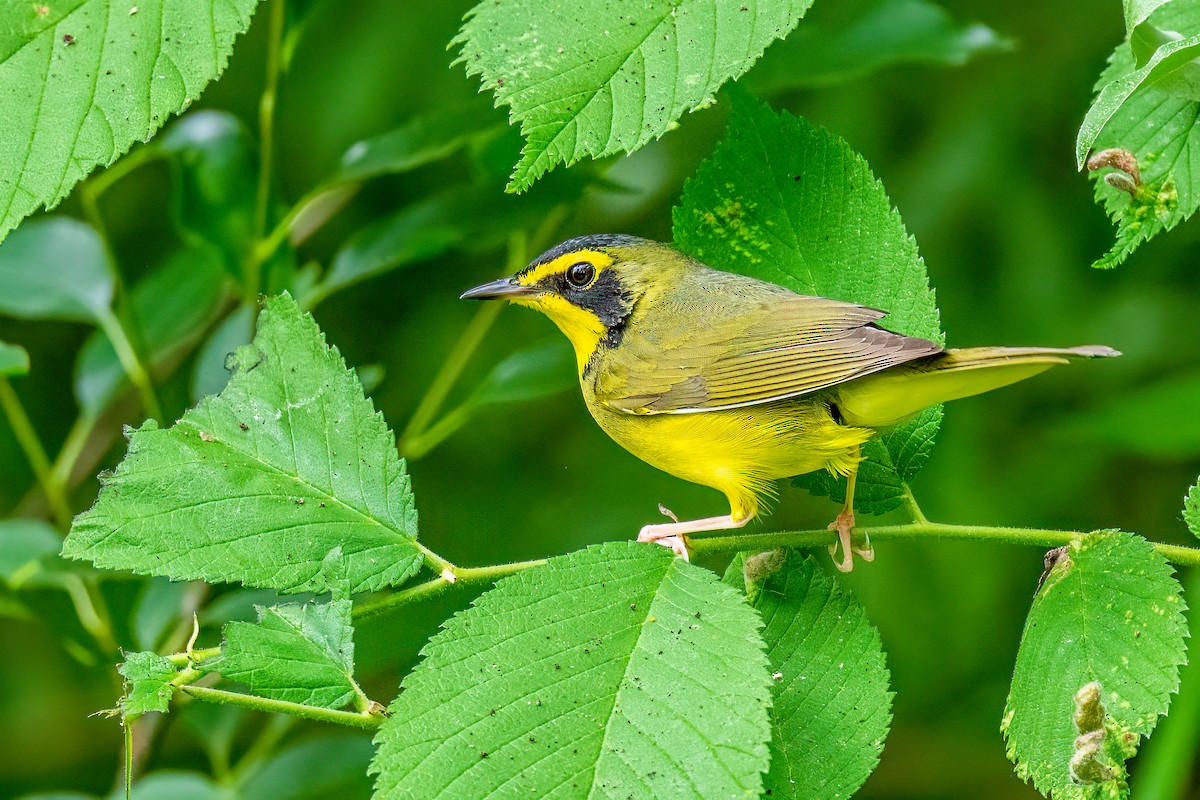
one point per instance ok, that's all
(589, 286)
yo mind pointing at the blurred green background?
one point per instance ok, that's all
(977, 158)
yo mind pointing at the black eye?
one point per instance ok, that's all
(581, 274)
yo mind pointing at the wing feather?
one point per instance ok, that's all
(761, 344)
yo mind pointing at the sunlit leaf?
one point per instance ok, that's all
(55, 268)
(612, 670)
(148, 679)
(167, 310)
(1111, 611)
(831, 705)
(260, 483)
(13, 360)
(850, 38)
(82, 80)
(785, 201)
(597, 78)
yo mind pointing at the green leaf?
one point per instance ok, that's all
(851, 38)
(24, 542)
(831, 705)
(1110, 611)
(420, 141)
(543, 368)
(1138, 11)
(13, 360)
(593, 79)
(258, 484)
(148, 679)
(614, 670)
(55, 268)
(178, 785)
(210, 373)
(785, 201)
(330, 766)
(214, 183)
(1191, 509)
(167, 311)
(83, 80)
(1151, 114)
(299, 653)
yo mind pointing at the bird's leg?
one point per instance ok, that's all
(674, 534)
(844, 525)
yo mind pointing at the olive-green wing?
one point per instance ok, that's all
(746, 352)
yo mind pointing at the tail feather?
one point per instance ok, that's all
(892, 396)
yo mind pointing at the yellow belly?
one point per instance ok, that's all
(740, 452)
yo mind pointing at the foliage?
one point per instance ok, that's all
(1147, 107)
(254, 566)
(84, 80)
(747, 210)
(1110, 611)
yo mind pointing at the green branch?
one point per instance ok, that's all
(367, 720)
(31, 445)
(139, 376)
(464, 577)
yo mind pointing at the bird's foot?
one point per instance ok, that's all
(844, 525)
(668, 513)
(677, 542)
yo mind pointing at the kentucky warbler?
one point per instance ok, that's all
(735, 383)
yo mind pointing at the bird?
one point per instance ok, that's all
(736, 383)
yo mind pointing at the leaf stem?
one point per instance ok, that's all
(353, 719)
(465, 577)
(910, 505)
(134, 368)
(27, 438)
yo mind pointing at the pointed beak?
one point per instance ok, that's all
(501, 289)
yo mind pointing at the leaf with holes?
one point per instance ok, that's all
(82, 80)
(831, 704)
(1111, 611)
(592, 79)
(615, 669)
(261, 482)
(785, 201)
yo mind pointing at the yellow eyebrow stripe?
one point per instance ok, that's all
(598, 260)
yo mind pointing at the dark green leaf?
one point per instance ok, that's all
(420, 141)
(1191, 509)
(832, 707)
(13, 360)
(614, 670)
(1110, 610)
(259, 484)
(851, 38)
(597, 78)
(54, 268)
(327, 767)
(215, 183)
(103, 77)
(785, 201)
(299, 653)
(537, 370)
(23, 542)
(167, 310)
(148, 679)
